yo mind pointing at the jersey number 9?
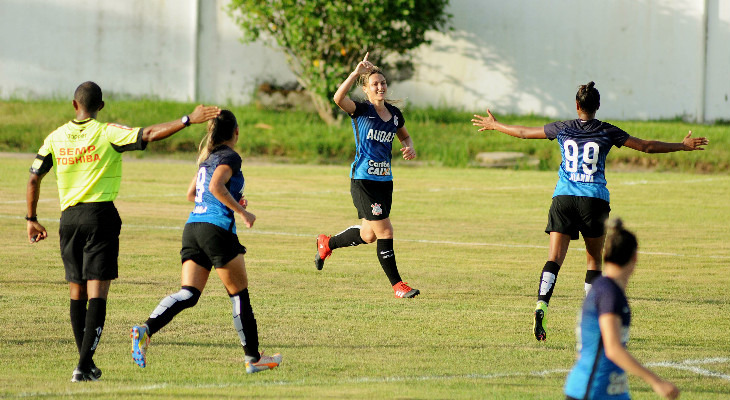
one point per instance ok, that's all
(200, 185)
(590, 157)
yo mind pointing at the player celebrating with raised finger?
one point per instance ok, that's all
(375, 124)
(581, 199)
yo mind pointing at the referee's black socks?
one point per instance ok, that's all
(95, 317)
(386, 256)
(348, 237)
(77, 311)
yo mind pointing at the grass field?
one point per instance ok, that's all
(470, 239)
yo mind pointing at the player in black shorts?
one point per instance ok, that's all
(375, 124)
(581, 199)
(87, 155)
(210, 239)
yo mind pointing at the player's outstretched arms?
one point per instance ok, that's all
(654, 146)
(489, 123)
(164, 130)
(340, 97)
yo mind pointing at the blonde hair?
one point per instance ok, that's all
(364, 80)
(220, 129)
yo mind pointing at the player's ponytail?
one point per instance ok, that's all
(220, 129)
(588, 98)
(620, 244)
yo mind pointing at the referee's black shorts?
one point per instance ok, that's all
(372, 199)
(209, 245)
(89, 235)
(573, 214)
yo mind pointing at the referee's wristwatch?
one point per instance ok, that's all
(185, 120)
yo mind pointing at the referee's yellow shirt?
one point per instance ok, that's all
(88, 159)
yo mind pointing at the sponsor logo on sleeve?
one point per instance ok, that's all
(121, 126)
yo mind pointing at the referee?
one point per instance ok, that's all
(88, 159)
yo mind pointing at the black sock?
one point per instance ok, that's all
(95, 317)
(548, 277)
(386, 256)
(171, 306)
(591, 275)
(77, 311)
(348, 237)
(245, 324)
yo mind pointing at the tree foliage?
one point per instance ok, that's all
(324, 39)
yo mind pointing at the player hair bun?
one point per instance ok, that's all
(590, 85)
(614, 225)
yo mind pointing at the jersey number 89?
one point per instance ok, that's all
(590, 157)
(200, 185)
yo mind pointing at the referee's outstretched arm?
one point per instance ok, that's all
(166, 129)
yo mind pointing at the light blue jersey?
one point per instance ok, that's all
(207, 207)
(374, 141)
(594, 376)
(584, 146)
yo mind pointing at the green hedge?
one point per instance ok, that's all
(442, 136)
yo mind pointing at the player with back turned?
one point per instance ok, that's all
(580, 200)
(87, 155)
(603, 330)
(209, 239)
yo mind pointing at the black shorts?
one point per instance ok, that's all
(372, 199)
(573, 214)
(89, 235)
(209, 245)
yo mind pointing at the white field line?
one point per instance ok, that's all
(686, 365)
(426, 241)
(445, 189)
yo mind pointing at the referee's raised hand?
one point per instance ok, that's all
(203, 113)
(166, 129)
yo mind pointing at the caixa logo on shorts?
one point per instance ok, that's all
(377, 210)
(380, 168)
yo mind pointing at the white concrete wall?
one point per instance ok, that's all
(717, 95)
(132, 47)
(647, 57)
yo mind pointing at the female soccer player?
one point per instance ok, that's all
(600, 372)
(581, 199)
(209, 239)
(375, 124)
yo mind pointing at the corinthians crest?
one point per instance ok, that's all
(377, 210)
